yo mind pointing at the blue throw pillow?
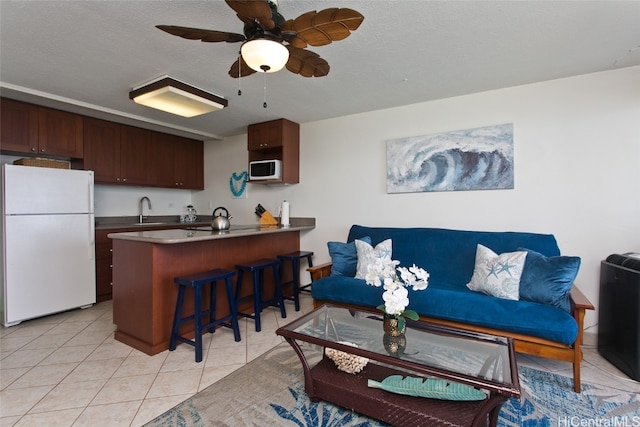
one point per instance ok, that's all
(344, 257)
(548, 280)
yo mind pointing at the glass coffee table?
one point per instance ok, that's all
(482, 361)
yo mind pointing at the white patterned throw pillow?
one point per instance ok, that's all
(497, 275)
(368, 255)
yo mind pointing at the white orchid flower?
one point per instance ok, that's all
(394, 280)
(420, 273)
(396, 301)
(373, 278)
(390, 284)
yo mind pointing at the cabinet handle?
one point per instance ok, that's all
(33, 149)
(110, 265)
(117, 179)
(42, 150)
(124, 179)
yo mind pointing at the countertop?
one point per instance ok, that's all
(131, 222)
(194, 234)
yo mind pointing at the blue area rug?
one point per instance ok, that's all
(270, 391)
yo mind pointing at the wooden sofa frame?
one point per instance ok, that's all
(524, 344)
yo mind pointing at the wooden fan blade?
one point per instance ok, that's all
(306, 63)
(243, 71)
(250, 10)
(321, 28)
(211, 36)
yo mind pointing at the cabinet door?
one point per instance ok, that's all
(104, 266)
(135, 150)
(265, 135)
(102, 149)
(162, 158)
(59, 133)
(177, 162)
(255, 136)
(19, 130)
(189, 164)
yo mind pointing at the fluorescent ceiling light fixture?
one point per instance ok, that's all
(176, 97)
(264, 55)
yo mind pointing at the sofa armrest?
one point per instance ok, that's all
(579, 300)
(579, 304)
(320, 271)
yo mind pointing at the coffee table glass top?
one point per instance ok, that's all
(474, 355)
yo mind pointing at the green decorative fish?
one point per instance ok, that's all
(433, 388)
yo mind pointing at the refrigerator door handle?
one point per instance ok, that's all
(91, 210)
(92, 239)
(90, 193)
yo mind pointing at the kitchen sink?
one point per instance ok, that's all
(151, 223)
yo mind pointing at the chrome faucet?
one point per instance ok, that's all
(141, 206)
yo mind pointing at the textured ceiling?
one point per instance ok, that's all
(87, 55)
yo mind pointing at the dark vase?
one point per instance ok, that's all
(390, 326)
(394, 340)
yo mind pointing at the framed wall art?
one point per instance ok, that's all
(471, 159)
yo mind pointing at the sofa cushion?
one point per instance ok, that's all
(344, 258)
(525, 317)
(497, 275)
(347, 290)
(449, 255)
(463, 306)
(548, 280)
(368, 255)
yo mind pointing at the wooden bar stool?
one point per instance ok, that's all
(196, 281)
(294, 258)
(257, 269)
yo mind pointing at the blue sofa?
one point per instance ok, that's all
(545, 329)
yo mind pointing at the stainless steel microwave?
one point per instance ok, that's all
(265, 169)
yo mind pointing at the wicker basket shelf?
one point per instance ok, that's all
(42, 163)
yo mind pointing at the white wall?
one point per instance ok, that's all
(577, 170)
(113, 200)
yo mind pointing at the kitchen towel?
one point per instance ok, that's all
(284, 217)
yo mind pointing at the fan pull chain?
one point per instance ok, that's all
(264, 104)
(239, 73)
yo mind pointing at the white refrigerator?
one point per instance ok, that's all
(48, 242)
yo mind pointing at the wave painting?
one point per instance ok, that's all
(472, 159)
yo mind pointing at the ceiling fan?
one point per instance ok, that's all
(270, 42)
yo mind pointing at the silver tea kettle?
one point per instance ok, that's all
(220, 222)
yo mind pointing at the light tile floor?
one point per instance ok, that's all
(67, 370)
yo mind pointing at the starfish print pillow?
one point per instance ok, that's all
(368, 255)
(497, 275)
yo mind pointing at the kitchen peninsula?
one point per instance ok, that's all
(146, 262)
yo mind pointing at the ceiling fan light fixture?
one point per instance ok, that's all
(176, 97)
(264, 55)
